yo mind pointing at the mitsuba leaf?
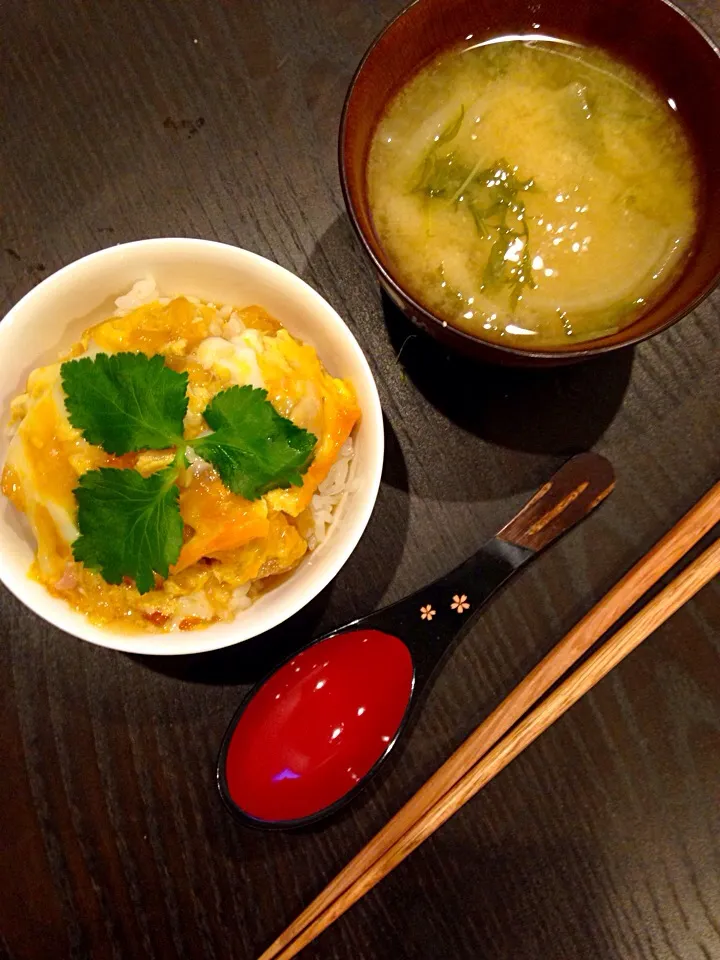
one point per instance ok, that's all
(130, 525)
(125, 401)
(252, 447)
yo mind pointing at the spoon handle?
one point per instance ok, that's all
(429, 620)
(568, 497)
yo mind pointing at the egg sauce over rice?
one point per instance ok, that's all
(233, 549)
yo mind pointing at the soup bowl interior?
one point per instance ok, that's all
(52, 316)
(653, 36)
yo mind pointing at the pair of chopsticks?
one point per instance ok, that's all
(491, 747)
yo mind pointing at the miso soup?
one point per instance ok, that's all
(533, 192)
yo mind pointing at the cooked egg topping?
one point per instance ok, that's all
(233, 548)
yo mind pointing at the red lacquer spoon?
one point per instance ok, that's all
(309, 736)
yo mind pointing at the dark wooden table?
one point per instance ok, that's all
(219, 119)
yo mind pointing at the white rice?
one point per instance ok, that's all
(241, 600)
(142, 292)
(325, 504)
(233, 327)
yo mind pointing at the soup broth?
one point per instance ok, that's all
(533, 192)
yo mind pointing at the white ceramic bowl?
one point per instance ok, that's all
(51, 317)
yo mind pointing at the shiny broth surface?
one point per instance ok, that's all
(533, 191)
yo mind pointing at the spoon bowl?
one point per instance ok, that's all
(358, 683)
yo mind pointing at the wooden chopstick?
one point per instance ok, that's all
(688, 531)
(610, 654)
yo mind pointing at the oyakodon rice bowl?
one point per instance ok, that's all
(233, 546)
(142, 525)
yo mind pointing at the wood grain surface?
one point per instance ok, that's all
(218, 119)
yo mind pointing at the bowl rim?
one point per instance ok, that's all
(171, 644)
(569, 353)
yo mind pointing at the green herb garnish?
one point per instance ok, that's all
(125, 401)
(253, 448)
(493, 197)
(131, 525)
(509, 261)
(434, 173)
